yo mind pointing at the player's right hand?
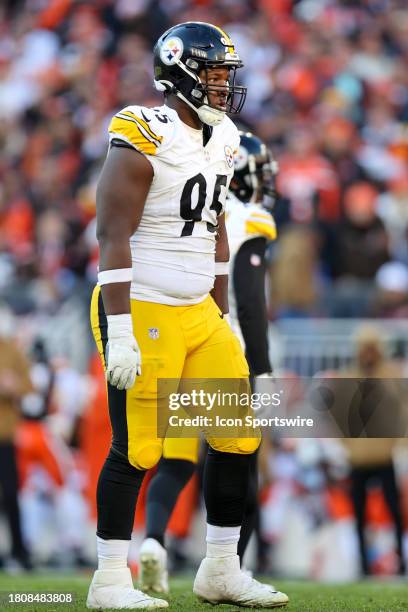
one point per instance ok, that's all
(123, 358)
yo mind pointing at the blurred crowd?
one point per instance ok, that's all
(328, 91)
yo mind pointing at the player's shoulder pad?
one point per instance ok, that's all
(147, 130)
(260, 221)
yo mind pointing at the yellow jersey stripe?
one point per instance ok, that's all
(262, 215)
(140, 127)
(95, 323)
(259, 227)
(128, 130)
(144, 124)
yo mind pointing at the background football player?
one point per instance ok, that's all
(160, 205)
(250, 226)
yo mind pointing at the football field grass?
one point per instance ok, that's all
(304, 596)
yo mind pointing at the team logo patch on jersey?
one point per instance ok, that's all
(229, 155)
(171, 51)
(154, 333)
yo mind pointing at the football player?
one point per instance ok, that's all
(250, 227)
(157, 311)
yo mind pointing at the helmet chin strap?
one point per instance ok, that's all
(206, 114)
(210, 116)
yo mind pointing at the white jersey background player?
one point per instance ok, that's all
(250, 227)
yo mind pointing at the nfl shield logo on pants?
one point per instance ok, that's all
(153, 333)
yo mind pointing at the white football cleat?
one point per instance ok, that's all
(153, 567)
(220, 580)
(114, 589)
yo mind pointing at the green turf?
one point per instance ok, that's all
(304, 596)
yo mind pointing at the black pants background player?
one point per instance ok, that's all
(249, 288)
(173, 474)
(9, 502)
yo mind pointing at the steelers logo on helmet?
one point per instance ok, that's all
(229, 155)
(171, 51)
(241, 158)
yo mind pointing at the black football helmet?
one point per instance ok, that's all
(255, 171)
(179, 56)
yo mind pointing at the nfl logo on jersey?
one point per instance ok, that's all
(153, 333)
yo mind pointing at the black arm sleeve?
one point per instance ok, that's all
(249, 287)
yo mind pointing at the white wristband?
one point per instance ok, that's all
(120, 275)
(221, 268)
(120, 325)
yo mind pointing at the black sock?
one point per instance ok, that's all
(226, 480)
(251, 508)
(118, 487)
(165, 487)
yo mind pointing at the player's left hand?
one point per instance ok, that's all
(265, 384)
(123, 357)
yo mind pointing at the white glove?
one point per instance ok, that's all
(265, 384)
(123, 358)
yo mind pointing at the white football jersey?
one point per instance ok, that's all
(246, 221)
(173, 249)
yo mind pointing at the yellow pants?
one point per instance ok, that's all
(176, 342)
